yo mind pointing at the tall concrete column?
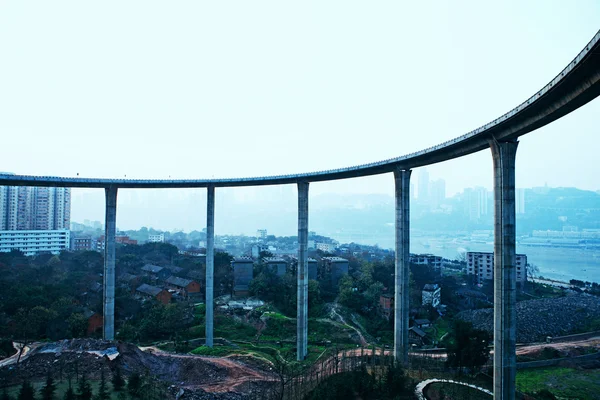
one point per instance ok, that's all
(110, 230)
(505, 273)
(210, 263)
(302, 308)
(402, 267)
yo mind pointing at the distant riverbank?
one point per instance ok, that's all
(560, 264)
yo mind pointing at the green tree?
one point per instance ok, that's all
(48, 389)
(5, 395)
(467, 347)
(84, 389)
(162, 321)
(77, 325)
(55, 260)
(31, 324)
(134, 385)
(117, 381)
(102, 389)
(349, 295)
(26, 392)
(70, 394)
(151, 389)
(396, 382)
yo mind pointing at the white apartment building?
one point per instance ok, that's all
(481, 265)
(326, 247)
(32, 242)
(160, 238)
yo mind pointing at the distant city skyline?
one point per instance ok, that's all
(185, 209)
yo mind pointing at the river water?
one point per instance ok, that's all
(553, 262)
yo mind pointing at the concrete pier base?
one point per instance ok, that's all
(505, 273)
(210, 263)
(302, 307)
(402, 267)
(110, 230)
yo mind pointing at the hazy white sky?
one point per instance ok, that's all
(224, 89)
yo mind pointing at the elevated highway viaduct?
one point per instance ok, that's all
(577, 84)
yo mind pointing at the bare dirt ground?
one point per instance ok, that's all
(563, 347)
(236, 376)
(224, 377)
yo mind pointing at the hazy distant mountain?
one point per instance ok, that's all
(274, 209)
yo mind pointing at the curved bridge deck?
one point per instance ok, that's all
(577, 84)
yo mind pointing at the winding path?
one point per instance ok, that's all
(334, 308)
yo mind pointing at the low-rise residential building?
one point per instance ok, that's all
(431, 294)
(386, 303)
(256, 249)
(416, 336)
(81, 243)
(243, 273)
(426, 259)
(94, 321)
(337, 267)
(128, 281)
(481, 264)
(99, 244)
(422, 323)
(197, 275)
(156, 272)
(185, 287)
(312, 267)
(32, 242)
(158, 238)
(276, 264)
(152, 292)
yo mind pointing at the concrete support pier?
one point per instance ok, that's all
(110, 230)
(505, 273)
(210, 263)
(402, 267)
(302, 310)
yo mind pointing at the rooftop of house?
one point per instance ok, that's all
(195, 274)
(179, 282)
(274, 260)
(243, 260)
(418, 331)
(95, 287)
(430, 287)
(152, 268)
(334, 259)
(87, 313)
(295, 258)
(127, 277)
(149, 289)
(422, 322)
